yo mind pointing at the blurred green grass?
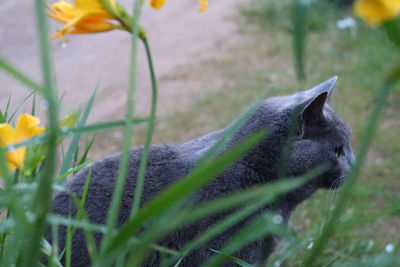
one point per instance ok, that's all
(260, 65)
(257, 66)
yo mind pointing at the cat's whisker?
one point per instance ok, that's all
(329, 196)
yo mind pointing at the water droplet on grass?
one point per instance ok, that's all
(389, 248)
(277, 219)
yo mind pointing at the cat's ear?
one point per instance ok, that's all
(325, 87)
(315, 99)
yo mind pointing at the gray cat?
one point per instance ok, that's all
(320, 138)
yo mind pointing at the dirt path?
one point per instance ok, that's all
(179, 35)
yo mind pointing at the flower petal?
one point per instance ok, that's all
(157, 4)
(7, 135)
(204, 5)
(375, 12)
(75, 17)
(15, 158)
(26, 125)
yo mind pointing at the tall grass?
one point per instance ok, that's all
(25, 199)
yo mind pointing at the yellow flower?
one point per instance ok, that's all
(375, 12)
(86, 16)
(204, 5)
(157, 4)
(27, 126)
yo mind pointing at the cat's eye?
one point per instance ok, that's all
(339, 151)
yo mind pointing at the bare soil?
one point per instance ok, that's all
(179, 35)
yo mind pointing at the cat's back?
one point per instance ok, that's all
(166, 164)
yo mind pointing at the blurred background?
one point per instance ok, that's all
(212, 65)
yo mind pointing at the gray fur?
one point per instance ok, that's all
(318, 132)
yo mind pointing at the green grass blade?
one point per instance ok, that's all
(123, 166)
(54, 237)
(20, 105)
(257, 197)
(86, 151)
(81, 224)
(294, 247)
(84, 194)
(71, 171)
(267, 193)
(149, 134)
(41, 203)
(300, 15)
(5, 174)
(392, 30)
(257, 229)
(19, 76)
(233, 259)
(43, 138)
(80, 213)
(21, 229)
(104, 126)
(174, 194)
(220, 227)
(90, 241)
(232, 129)
(68, 246)
(75, 139)
(2, 117)
(46, 250)
(329, 226)
(33, 111)
(7, 109)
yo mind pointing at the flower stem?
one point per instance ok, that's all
(149, 133)
(124, 161)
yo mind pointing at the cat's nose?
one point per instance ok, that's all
(351, 159)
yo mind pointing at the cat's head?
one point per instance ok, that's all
(320, 137)
(317, 136)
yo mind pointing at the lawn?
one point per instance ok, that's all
(261, 65)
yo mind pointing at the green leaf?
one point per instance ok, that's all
(33, 157)
(394, 74)
(2, 118)
(393, 32)
(75, 139)
(69, 121)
